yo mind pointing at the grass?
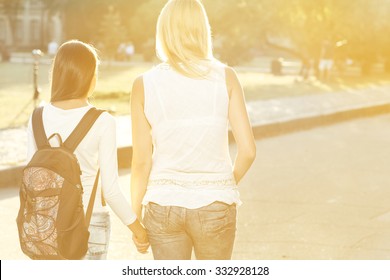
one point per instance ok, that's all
(16, 90)
(260, 86)
(115, 81)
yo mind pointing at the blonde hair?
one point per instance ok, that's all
(183, 37)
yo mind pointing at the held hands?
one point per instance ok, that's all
(140, 237)
(142, 243)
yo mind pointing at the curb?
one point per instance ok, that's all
(306, 123)
(11, 176)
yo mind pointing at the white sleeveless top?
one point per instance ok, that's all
(189, 120)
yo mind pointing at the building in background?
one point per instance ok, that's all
(28, 24)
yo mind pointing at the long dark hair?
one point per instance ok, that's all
(73, 69)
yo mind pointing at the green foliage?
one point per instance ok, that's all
(111, 33)
(244, 27)
(142, 26)
(235, 28)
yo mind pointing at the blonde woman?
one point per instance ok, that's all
(181, 168)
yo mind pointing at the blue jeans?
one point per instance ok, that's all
(175, 231)
(99, 229)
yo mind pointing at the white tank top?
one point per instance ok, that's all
(189, 120)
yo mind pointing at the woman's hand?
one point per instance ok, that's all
(142, 243)
(140, 237)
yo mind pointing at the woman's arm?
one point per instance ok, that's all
(241, 128)
(113, 195)
(142, 147)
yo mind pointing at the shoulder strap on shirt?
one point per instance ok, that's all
(38, 129)
(82, 128)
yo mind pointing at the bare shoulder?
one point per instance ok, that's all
(139, 80)
(137, 93)
(231, 75)
(138, 83)
(232, 81)
(230, 72)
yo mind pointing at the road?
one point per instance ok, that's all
(316, 194)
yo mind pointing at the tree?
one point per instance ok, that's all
(133, 16)
(82, 18)
(142, 26)
(234, 26)
(111, 32)
(49, 8)
(255, 24)
(366, 40)
(244, 28)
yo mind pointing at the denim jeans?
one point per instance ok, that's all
(175, 231)
(99, 229)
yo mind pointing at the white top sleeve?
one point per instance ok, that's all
(108, 163)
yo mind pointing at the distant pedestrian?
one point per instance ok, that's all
(326, 60)
(121, 52)
(129, 51)
(52, 48)
(306, 68)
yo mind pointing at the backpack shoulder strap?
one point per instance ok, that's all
(82, 128)
(91, 202)
(38, 129)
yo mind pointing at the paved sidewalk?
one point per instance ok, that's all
(293, 108)
(314, 195)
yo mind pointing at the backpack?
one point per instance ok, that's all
(51, 220)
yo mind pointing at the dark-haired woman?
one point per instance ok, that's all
(74, 75)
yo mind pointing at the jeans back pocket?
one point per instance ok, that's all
(217, 218)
